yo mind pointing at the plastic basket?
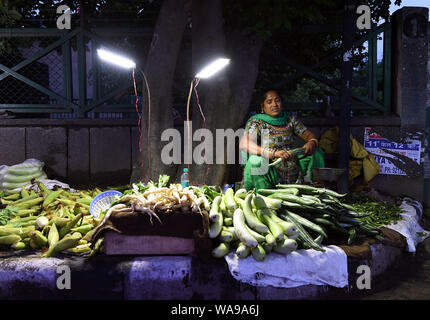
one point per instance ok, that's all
(102, 202)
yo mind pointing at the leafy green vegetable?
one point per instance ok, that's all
(163, 179)
(6, 214)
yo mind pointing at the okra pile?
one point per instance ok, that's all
(48, 221)
(285, 219)
(379, 212)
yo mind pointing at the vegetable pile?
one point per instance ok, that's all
(323, 212)
(287, 218)
(379, 212)
(21, 174)
(51, 221)
(154, 197)
(249, 224)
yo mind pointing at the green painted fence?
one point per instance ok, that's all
(39, 75)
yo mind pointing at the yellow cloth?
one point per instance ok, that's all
(362, 160)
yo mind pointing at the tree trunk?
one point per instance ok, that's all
(225, 97)
(159, 69)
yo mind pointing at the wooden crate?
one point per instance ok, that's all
(121, 244)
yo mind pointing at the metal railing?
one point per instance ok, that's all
(376, 99)
(57, 73)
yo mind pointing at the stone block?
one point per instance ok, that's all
(12, 144)
(110, 156)
(151, 278)
(50, 146)
(78, 169)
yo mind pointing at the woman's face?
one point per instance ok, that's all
(272, 105)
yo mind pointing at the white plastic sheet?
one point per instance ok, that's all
(300, 267)
(409, 226)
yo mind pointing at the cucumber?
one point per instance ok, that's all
(270, 239)
(288, 227)
(243, 251)
(232, 231)
(267, 247)
(240, 202)
(241, 193)
(251, 219)
(294, 236)
(222, 206)
(225, 235)
(267, 202)
(258, 253)
(221, 250)
(215, 210)
(241, 229)
(229, 201)
(264, 215)
(260, 238)
(285, 246)
(216, 226)
(228, 221)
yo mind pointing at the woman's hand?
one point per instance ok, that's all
(310, 147)
(284, 154)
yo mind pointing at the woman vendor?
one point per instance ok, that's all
(268, 136)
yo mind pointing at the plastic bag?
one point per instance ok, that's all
(19, 175)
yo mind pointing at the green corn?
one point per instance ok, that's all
(97, 246)
(67, 228)
(20, 245)
(29, 203)
(29, 197)
(84, 200)
(10, 239)
(39, 238)
(17, 231)
(84, 229)
(33, 244)
(51, 197)
(15, 196)
(43, 188)
(63, 244)
(19, 219)
(26, 212)
(82, 248)
(66, 202)
(24, 193)
(53, 235)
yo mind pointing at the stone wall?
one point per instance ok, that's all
(78, 152)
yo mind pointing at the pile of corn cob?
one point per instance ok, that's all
(49, 221)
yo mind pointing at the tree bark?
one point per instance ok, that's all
(159, 69)
(225, 97)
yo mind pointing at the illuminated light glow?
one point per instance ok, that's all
(116, 59)
(212, 68)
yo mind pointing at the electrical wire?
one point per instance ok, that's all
(149, 123)
(188, 126)
(139, 125)
(139, 117)
(203, 126)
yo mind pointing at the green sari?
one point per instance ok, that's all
(281, 131)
